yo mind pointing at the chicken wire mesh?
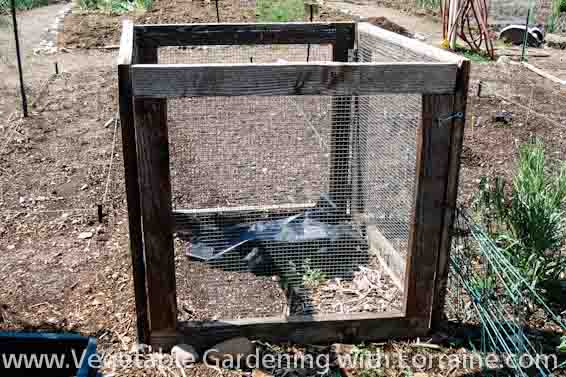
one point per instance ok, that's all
(273, 195)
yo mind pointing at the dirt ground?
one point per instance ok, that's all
(98, 30)
(61, 269)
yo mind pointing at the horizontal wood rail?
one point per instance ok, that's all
(242, 34)
(317, 329)
(341, 79)
(413, 45)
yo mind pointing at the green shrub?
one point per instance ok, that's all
(5, 5)
(116, 6)
(280, 10)
(528, 219)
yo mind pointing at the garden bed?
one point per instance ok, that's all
(94, 29)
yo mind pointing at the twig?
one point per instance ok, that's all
(426, 345)
(111, 161)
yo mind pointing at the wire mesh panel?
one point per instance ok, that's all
(374, 49)
(256, 215)
(273, 196)
(244, 54)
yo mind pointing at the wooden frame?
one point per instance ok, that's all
(144, 89)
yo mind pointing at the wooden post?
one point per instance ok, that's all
(340, 190)
(433, 152)
(131, 178)
(457, 126)
(152, 142)
(438, 151)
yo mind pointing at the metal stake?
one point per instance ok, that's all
(217, 11)
(22, 89)
(526, 37)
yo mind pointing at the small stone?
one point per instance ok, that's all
(11, 247)
(420, 37)
(503, 60)
(185, 355)
(85, 235)
(503, 117)
(556, 41)
(275, 278)
(342, 349)
(84, 187)
(234, 349)
(260, 373)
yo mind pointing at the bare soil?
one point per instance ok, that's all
(89, 29)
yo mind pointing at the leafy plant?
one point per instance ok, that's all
(476, 57)
(528, 221)
(562, 347)
(280, 10)
(21, 4)
(312, 278)
(116, 6)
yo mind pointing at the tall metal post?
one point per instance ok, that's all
(22, 88)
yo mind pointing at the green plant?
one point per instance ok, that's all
(116, 6)
(430, 4)
(474, 56)
(562, 347)
(373, 372)
(21, 4)
(280, 10)
(527, 221)
(312, 278)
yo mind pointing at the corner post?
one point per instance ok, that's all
(152, 141)
(125, 59)
(438, 149)
(457, 125)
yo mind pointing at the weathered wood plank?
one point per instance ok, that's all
(433, 154)
(318, 329)
(410, 44)
(390, 258)
(239, 34)
(155, 189)
(332, 78)
(457, 126)
(133, 199)
(185, 219)
(126, 43)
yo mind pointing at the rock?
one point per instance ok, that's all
(236, 348)
(420, 37)
(342, 349)
(84, 187)
(556, 41)
(503, 60)
(260, 373)
(184, 355)
(503, 117)
(85, 235)
(362, 283)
